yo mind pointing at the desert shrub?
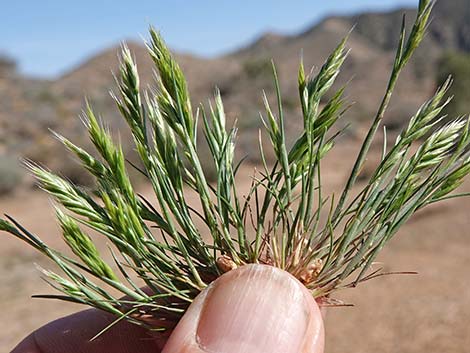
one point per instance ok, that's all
(10, 174)
(7, 64)
(290, 103)
(458, 65)
(258, 68)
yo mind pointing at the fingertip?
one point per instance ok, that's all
(255, 308)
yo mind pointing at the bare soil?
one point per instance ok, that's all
(428, 312)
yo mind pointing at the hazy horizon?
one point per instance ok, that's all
(49, 38)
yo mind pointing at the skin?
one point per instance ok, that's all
(252, 309)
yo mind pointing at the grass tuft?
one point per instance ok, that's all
(281, 220)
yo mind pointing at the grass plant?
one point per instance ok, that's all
(285, 219)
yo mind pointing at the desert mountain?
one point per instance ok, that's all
(29, 107)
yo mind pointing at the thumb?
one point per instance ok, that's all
(253, 309)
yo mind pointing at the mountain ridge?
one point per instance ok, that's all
(29, 108)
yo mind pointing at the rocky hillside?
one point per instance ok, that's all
(28, 108)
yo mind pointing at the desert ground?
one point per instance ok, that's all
(424, 313)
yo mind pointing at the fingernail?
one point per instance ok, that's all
(258, 309)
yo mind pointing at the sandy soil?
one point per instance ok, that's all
(426, 313)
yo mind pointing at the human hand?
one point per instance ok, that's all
(252, 309)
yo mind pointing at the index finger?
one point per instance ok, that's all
(73, 334)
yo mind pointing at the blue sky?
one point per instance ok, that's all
(48, 37)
